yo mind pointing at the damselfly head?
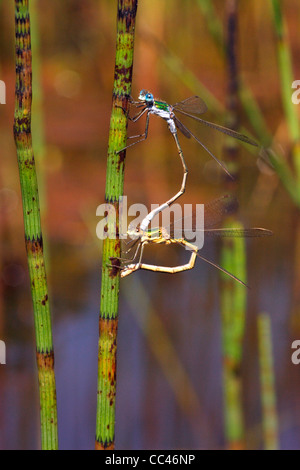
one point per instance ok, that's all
(146, 96)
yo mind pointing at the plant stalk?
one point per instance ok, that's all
(287, 78)
(233, 308)
(267, 380)
(233, 258)
(108, 321)
(32, 224)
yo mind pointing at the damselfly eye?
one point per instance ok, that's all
(149, 96)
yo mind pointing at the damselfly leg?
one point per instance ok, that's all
(129, 269)
(215, 212)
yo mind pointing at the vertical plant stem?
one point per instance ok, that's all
(108, 322)
(291, 114)
(32, 223)
(233, 307)
(231, 148)
(267, 380)
(233, 255)
(287, 78)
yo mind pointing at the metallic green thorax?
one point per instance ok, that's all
(162, 105)
(32, 226)
(154, 233)
(151, 233)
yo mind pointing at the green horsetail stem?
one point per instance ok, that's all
(287, 77)
(32, 223)
(108, 321)
(267, 381)
(233, 314)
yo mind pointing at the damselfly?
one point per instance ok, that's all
(214, 212)
(188, 107)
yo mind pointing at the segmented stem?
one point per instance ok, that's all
(108, 322)
(32, 225)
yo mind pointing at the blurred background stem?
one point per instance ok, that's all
(32, 223)
(287, 77)
(233, 258)
(108, 322)
(285, 65)
(233, 314)
(267, 383)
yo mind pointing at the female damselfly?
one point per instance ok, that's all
(214, 213)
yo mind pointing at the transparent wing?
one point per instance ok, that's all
(182, 129)
(186, 131)
(255, 232)
(215, 212)
(192, 105)
(238, 232)
(224, 130)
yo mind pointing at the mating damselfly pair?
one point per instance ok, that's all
(191, 107)
(214, 214)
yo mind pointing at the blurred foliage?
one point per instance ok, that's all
(176, 55)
